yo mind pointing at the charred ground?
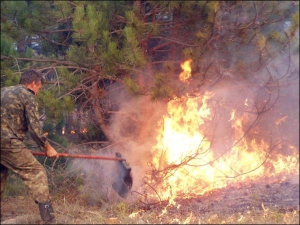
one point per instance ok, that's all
(261, 201)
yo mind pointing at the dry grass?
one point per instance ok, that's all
(75, 205)
(74, 210)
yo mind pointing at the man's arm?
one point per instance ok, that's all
(35, 128)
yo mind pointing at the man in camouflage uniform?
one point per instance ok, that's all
(19, 114)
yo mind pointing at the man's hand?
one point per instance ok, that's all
(51, 152)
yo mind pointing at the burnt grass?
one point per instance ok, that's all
(258, 195)
(280, 196)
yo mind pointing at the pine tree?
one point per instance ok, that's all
(84, 45)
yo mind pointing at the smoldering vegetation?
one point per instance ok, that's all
(270, 101)
(267, 96)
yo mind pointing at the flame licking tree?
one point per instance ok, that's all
(188, 159)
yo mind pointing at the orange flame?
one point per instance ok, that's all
(186, 74)
(185, 162)
(84, 130)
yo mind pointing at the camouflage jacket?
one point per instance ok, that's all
(19, 114)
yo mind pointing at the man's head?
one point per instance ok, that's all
(32, 80)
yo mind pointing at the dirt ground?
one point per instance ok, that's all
(261, 195)
(283, 196)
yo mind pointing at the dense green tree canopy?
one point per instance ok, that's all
(83, 46)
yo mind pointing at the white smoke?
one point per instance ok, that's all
(274, 91)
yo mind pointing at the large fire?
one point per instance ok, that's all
(185, 162)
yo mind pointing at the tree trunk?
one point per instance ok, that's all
(96, 94)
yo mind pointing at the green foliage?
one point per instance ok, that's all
(14, 185)
(105, 38)
(94, 132)
(30, 18)
(133, 54)
(78, 54)
(93, 18)
(133, 21)
(11, 78)
(70, 79)
(75, 52)
(113, 51)
(110, 54)
(86, 24)
(79, 24)
(162, 88)
(123, 40)
(7, 46)
(9, 11)
(29, 53)
(54, 131)
(58, 138)
(68, 103)
(55, 108)
(62, 9)
(132, 86)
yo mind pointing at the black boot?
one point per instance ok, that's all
(46, 212)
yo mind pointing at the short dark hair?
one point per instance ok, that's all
(28, 76)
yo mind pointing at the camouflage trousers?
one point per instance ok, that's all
(21, 161)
